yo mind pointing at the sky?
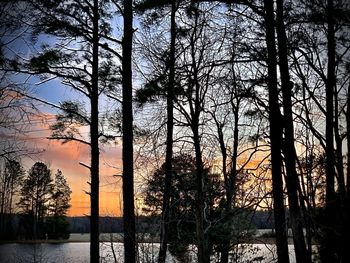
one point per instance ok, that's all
(66, 157)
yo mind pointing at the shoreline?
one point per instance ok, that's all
(118, 238)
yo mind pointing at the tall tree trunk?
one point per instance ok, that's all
(2, 209)
(231, 183)
(339, 150)
(328, 253)
(233, 172)
(12, 192)
(34, 235)
(225, 242)
(275, 136)
(346, 234)
(169, 140)
(225, 246)
(348, 144)
(290, 155)
(128, 162)
(202, 239)
(341, 220)
(195, 109)
(94, 134)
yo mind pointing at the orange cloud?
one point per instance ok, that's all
(66, 157)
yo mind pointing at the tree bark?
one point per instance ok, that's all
(275, 136)
(338, 154)
(224, 257)
(94, 134)
(346, 234)
(2, 208)
(348, 145)
(169, 140)
(127, 153)
(202, 239)
(328, 253)
(292, 180)
(231, 180)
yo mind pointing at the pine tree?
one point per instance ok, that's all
(35, 193)
(82, 58)
(57, 224)
(10, 182)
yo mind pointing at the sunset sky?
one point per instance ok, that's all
(66, 157)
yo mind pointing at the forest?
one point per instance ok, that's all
(221, 109)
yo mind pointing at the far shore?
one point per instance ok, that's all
(118, 238)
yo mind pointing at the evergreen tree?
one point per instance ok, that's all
(57, 224)
(10, 182)
(82, 57)
(182, 202)
(35, 193)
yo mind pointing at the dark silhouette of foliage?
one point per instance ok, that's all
(56, 223)
(35, 193)
(10, 181)
(181, 221)
(44, 203)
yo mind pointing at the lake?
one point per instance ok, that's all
(78, 252)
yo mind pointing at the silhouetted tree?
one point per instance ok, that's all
(170, 67)
(275, 119)
(328, 254)
(182, 201)
(80, 29)
(57, 224)
(288, 148)
(127, 128)
(35, 193)
(10, 182)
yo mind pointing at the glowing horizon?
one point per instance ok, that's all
(66, 157)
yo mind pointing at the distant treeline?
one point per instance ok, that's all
(81, 224)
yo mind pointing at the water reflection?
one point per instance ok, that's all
(78, 252)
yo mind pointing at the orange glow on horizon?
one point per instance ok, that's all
(66, 157)
(109, 204)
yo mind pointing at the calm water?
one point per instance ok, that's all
(79, 253)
